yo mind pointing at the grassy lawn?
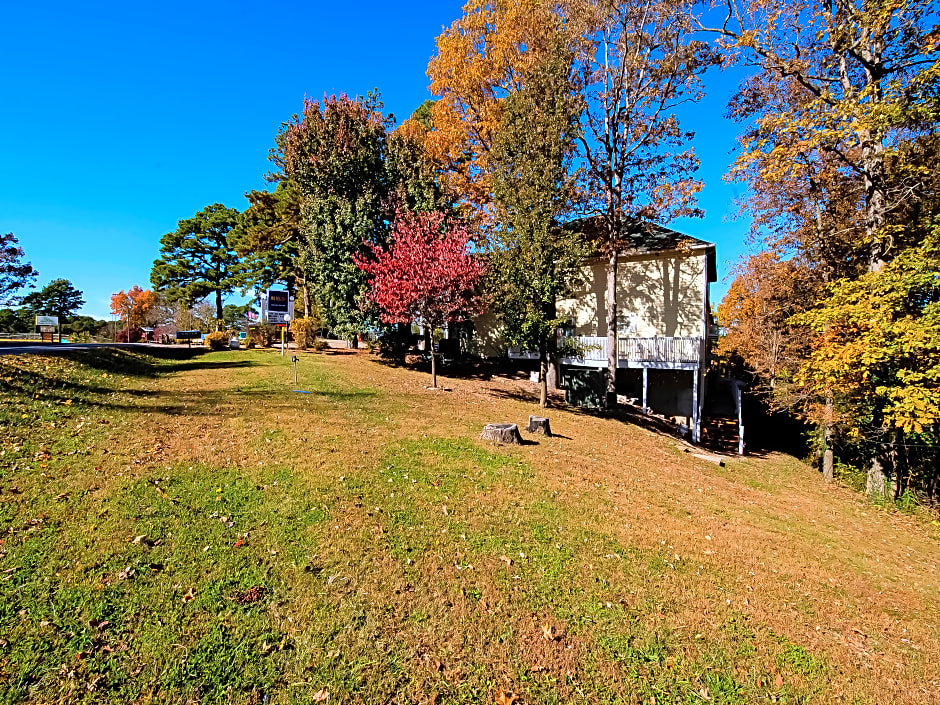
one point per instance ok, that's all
(192, 531)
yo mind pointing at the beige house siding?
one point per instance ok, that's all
(662, 294)
(487, 340)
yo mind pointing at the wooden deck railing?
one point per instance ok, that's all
(657, 350)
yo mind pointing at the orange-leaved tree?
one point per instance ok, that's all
(132, 306)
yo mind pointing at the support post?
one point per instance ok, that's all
(645, 383)
(283, 337)
(696, 429)
(737, 401)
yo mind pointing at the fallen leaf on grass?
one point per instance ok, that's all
(778, 681)
(703, 693)
(190, 595)
(506, 559)
(240, 542)
(549, 633)
(321, 695)
(249, 596)
(505, 698)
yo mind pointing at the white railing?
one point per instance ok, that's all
(660, 349)
(657, 350)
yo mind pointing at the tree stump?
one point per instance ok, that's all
(539, 424)
(502, 433)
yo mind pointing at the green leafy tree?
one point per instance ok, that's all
(335, 152)
(57, 298)
(533, 261)
(268, 241)
(84, 324)
(196, 259)
(235, 316)
(14, 321)
(15, 274)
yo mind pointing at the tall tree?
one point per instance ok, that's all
(841, 115)
(15, 274)
(533, 261)
(427, 274)
(57, 298)
(844, 78)
(335, 152)
(268, 241)
(635, 64)
(639, 65)
(197, 260)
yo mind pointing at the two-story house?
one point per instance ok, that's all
(662, 322)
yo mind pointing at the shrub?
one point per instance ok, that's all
(136, 334)
(261, 334)
(318, 344)
(218, 340)
(304, 330)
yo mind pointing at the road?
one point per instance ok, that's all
(53, 348)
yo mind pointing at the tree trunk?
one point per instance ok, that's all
(218, 310)
(611, 400)
(543, 376)
(306, 293)
(875, 484)
(828, 469)
(433, 367)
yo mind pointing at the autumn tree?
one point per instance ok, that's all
(844, 79)
(878, 350)
(132, 306)
(427, 274)
(196, 259)
(533, 261)
(838, 153)
(335, 153)
(416, 181)
(15, 274)
(57, 298)
(634, 65)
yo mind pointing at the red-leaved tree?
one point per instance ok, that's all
(427, 274)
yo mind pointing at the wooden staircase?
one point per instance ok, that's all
(720, 435)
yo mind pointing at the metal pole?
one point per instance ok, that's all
(282, 341)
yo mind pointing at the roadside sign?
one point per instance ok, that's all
(47, 321)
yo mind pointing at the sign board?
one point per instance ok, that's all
(188, 335)
(278, 302)
(47, 329)
(277, 318)
(47, 321)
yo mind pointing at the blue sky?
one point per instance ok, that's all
(119, 119)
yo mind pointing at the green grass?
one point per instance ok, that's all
(423, 570)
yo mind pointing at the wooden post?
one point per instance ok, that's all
(645, 378)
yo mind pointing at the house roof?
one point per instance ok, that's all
(641, 237)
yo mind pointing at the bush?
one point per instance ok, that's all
(396, 341)
(218, 340)
(136, 335)
(305, 331)
(261, 334)
(318, 344)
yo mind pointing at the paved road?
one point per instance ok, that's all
(47, 348)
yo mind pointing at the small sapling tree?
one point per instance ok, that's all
(427, 274)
